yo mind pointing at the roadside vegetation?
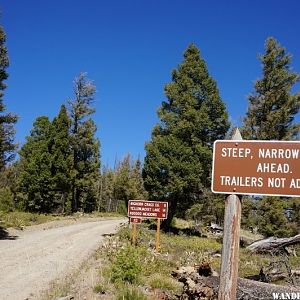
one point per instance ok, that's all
(145, 273)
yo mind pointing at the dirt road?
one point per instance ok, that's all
(39, 255)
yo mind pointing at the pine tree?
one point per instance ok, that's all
(272, 220)
(273, 106)
(178, 158)
(107, 190)
(85, 147)
(61, 160)
(7, 120)
(36, 176)
(129, 181)
(270, 116)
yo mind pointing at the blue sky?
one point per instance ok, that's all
(129, 49)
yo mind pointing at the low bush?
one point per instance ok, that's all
(126, 266)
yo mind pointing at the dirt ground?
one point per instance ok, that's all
(32, 258)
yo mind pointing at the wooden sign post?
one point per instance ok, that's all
(157, 244)
(231, 242)
(251, 168)
(256, 168)
(142, 209)
(134, 233)
(134, 221)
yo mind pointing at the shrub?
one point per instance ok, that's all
(127, 265)
(164, 282)
(6, 200)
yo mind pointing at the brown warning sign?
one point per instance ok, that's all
(256, 168)
(147, 209)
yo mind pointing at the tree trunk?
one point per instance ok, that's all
(166, 224)
(251, 290)
(273, 244)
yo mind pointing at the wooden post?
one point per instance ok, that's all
(157, 244)
(134, 234)
(231, 242)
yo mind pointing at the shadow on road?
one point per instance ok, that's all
(4, 235)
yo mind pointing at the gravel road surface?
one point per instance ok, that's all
(37, 256)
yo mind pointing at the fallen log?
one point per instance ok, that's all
(248, 289)
(201, 287)
(274, 244)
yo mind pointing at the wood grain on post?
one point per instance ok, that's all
(157, 244)
(231, 240)
(134, 234)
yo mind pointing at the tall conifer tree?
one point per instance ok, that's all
(270, 116)
(178, 157)
(85, 147)
(36, 176)
(62, 160)
(7, 120)
(272, 107)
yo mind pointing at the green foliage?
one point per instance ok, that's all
(20, 219)
(127, 265)
(122, 208)
(6, 200)
(100, 289)
(85, 147)
(272, 216)
(272, 219)
(178, 157)
(273, 106)
(123, 183)
(270, 116)
(61, 161)
(294, 210)
(129, 182)
(209, 209)
(7, 120)
(131, 293)
(164, 282)
(36, 160)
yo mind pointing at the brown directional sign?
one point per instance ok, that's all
(256, 168)
(135, 220)
(147, 209)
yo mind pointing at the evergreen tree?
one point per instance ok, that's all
(270, 116)
(107, 190)
(273, 106)
(7, 120)
(122, 189)
(61, 160)
(178, 158)
(36, 176)
(139, 191)
(272, 219)
(85, 147)
(129, 181)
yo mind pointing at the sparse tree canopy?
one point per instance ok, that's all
(178, 157)
(272, 107)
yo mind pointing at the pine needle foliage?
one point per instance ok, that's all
(178, 157)
(273, 105)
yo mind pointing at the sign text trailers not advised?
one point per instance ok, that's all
(256, 168)
(147, 209)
